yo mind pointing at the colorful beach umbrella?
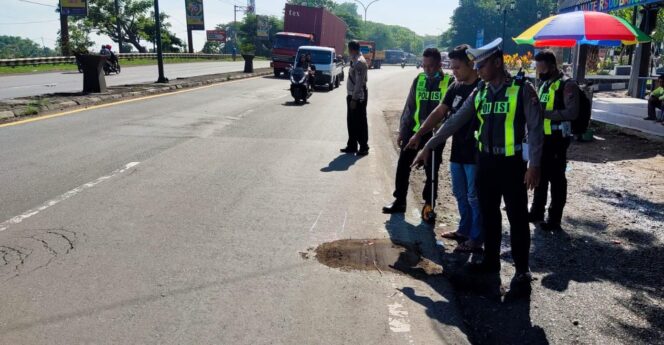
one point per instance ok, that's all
(583, 27)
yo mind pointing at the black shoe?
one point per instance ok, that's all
(395, 207)
(535, 218)
(348, 150)
(362, 152)
(484, 267)
(551, 226)
(649, 119)
(523, 277)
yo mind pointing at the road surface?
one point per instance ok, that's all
(180, 219)
(41, 83)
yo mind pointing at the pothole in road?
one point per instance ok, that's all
(380, 255)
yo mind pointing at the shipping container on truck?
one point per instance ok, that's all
(326, 30)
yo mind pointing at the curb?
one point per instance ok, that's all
(16, 109)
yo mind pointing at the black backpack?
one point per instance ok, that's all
(581, 123)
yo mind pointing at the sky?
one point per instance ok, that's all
(40, 23)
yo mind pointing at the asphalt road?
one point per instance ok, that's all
(36, 84)
(180, 219)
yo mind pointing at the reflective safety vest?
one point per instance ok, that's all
(550, 96)
(424, 95)
(502, 123)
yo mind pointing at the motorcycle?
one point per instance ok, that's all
(299, 88)
(112, 67)
(403, 64)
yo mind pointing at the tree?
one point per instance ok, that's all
(169, 42)
(136, 22)
(212, 47)
(474, 15)
(348, 12)
(79, 35)
(14, 47)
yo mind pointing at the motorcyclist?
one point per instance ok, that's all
(305, 64)
(113, 58)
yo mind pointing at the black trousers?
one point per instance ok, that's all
(356, 121)
(406, 158)
(653, 104)
(554, 165)
(500, 177)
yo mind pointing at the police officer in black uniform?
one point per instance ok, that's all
(505, 107)
(426, 93)
(560, 100)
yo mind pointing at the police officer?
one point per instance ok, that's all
(505, 107)
(356, 103)
(560, 100)
(426, 93)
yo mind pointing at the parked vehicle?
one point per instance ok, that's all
(329, 67)
(306, 26)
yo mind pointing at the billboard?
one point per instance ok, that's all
(216, 36)
(194, 9)
(263, 27)
(74, 7)
(601, 5)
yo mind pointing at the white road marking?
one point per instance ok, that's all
(343, 226)
(316, 222)
(64, 197)
(398, 319)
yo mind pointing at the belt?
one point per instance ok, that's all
(500, 150)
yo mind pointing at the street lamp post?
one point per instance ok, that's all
(366, 7)
(501, 7)
(160, 56)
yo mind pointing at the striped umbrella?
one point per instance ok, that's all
(583, 27)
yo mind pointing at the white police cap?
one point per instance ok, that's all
(477, 55)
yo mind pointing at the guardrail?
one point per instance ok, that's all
(51, 60)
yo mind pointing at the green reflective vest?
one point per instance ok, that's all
(501, 124)
(547, 95)
(424, 95)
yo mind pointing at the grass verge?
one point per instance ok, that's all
(63, 67)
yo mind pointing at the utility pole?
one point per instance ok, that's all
(366, 7)
(117, 23)
(160, 56)
(236, 9)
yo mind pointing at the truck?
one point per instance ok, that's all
(373, 57)
(394, 56)
(306, 26)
